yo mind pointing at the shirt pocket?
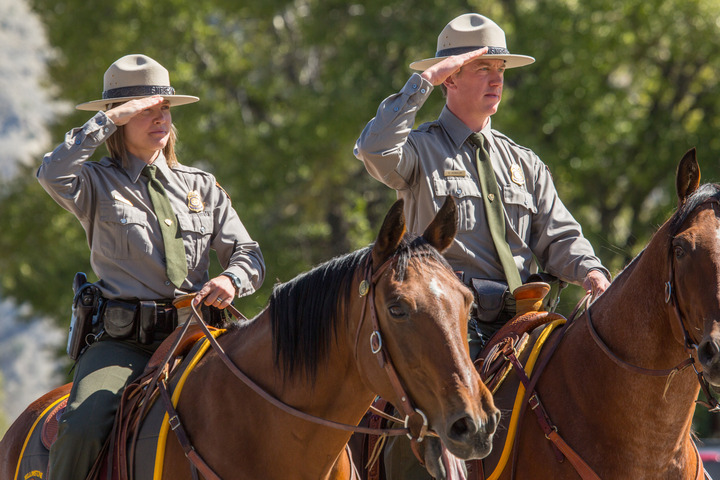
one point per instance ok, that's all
(122, 232)
(197, 229)
(519, 206)
(467, 197)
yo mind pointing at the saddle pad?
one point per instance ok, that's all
(514, 420)
(34, 454)
(51, 424)
(153, 433)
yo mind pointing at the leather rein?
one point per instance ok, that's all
(689, 344)
(366, 290)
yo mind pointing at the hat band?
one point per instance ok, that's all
(138, 91)
(460, 50)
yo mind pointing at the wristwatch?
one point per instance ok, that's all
(235, 281)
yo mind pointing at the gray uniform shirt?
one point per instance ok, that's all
(126, 247)
(426, 165)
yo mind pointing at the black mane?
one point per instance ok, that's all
(305, 311)
(702, 194)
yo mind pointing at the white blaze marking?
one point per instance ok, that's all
(436, 288)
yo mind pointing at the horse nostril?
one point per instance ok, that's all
(707, 351)
(492, 424)
(463, 428)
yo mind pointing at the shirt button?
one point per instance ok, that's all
(396, 109)
(78, 141)
(202, 229)
(422, 90)
(100, 121)
(106, 129)
(123, 221)
(458, 191)
(414, 86)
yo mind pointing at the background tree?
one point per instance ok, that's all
(619, 92)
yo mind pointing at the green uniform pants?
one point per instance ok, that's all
(101, 374)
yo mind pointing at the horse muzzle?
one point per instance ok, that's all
(470, 437)
(708, 352)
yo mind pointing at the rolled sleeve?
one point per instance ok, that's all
(383, 145)
(61, 173)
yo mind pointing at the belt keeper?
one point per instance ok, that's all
(174, 422)
(533, 401)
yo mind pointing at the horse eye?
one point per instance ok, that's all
(679, 252)
(396, 311)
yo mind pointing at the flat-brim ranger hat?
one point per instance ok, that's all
(135, 76)
(470, 32)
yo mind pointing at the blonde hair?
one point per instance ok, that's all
(115, 145)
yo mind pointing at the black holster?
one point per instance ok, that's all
(84, 323)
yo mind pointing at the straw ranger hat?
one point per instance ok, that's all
(470, 32)
(135, 76)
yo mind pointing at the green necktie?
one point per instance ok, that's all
(175, 260)
(494, 212)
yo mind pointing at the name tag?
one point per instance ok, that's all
(455, 173)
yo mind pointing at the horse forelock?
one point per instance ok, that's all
(708, 191)
(305, 311)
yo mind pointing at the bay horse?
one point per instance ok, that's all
(618, 389)
(618, 383)
(316, 347)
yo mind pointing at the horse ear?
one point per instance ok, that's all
(688, 176)
(441, 231)
(391, 233)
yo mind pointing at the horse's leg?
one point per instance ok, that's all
(343, 468)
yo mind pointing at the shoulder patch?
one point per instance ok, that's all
(223, 190)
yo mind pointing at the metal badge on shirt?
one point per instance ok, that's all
(195, 202)
(455, 173)
(517, 175)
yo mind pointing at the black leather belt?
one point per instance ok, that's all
(146, 321)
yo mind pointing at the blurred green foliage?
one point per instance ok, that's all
(619, 92)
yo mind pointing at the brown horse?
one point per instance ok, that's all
(315, 348)
(606, 395)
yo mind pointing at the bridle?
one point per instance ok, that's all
(366, 290)
(689, 344)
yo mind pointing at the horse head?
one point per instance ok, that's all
(421, 311)
(693, 287)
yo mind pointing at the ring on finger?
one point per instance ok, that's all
(219, 300)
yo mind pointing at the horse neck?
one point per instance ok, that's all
(637, 325)
(633, 316)
(337, 393)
